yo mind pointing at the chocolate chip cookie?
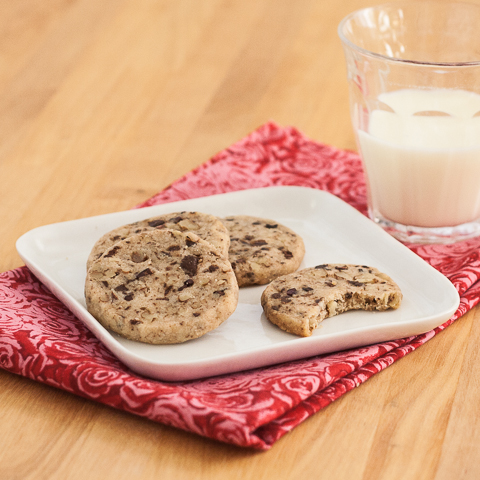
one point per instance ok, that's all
(261, 249)
(161, 287)
(204, 225)
(298, 302)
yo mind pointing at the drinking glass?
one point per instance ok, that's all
(414, 81)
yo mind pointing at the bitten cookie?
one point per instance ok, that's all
(161, 287)
(206, 226)
(298, 302)
(261, 249)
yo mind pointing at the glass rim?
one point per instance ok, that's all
(364, 51)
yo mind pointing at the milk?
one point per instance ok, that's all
(424, 170)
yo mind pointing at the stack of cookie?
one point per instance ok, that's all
(175, 277)
(162, 280)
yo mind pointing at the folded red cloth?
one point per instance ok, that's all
(40, 339)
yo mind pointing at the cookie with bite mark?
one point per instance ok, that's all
(298, 302)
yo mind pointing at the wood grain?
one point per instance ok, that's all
(102, 104)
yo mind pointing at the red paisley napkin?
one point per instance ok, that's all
(40, 339)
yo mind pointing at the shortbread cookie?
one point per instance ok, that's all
(161, 287)
(298, 302)
(206, 226)
(261, 249)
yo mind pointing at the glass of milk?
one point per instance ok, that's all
(414, 78)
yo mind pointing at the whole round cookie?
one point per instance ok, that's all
(298, 302)
(262, 249)
(161, 287)
(204, 225)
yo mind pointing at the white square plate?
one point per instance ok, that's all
(333, 232)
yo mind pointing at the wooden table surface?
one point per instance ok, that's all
(104, 103)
